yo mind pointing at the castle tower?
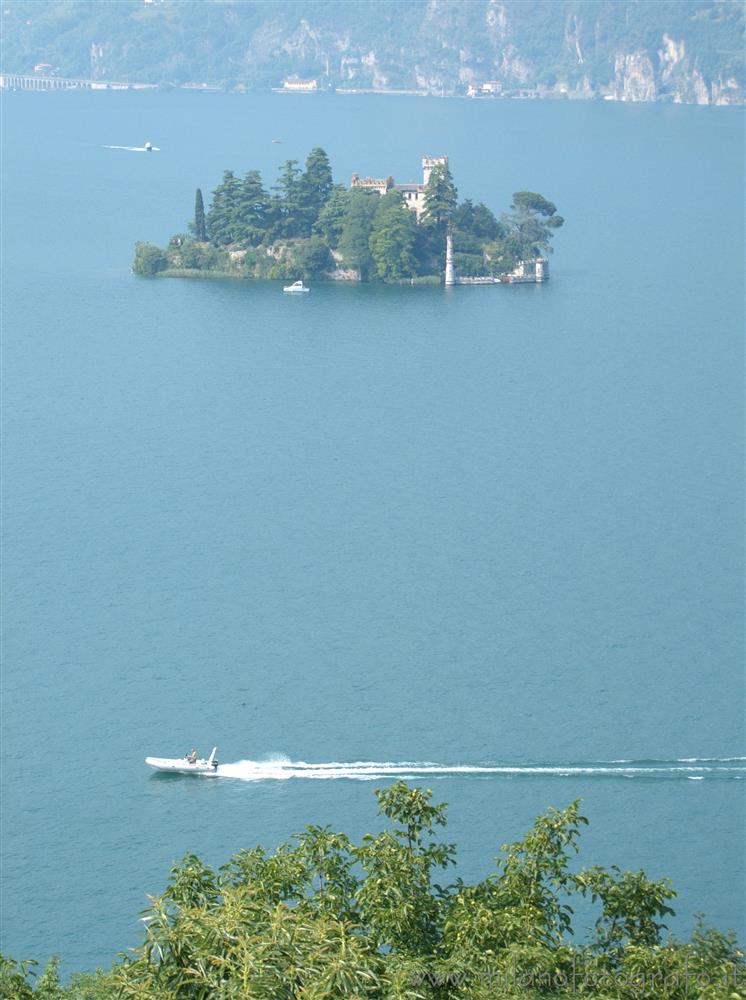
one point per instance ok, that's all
(428, 162)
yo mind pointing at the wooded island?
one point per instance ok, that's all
(308, 227)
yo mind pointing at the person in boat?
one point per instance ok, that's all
(192, 757)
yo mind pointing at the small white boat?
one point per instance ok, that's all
(186, 765)
(297, 286)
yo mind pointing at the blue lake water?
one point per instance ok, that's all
(477, 527)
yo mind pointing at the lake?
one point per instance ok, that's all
(488, 537)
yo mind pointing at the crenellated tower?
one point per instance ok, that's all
(428, 162)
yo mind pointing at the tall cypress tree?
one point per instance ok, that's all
(200, 229)
(441, 197)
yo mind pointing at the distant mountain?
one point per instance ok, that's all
(670, 50)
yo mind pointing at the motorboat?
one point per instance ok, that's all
(191, 764)
(297, 286)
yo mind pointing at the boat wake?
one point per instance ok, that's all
(137, 149)
(282, 768)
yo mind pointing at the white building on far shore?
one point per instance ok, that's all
(297, 84)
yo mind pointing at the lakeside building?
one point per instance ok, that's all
(295, 83)
(413, 193)
(490, 88)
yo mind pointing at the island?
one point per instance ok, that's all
(309, 228)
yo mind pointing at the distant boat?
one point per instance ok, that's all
(191, 764)
(297, 286)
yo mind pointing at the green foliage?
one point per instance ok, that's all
(632, 907)
(291, 213)
(474, 264)
(252, 211)
(332, 216)
(48, 986)
(354, 240)
(15, 978)
(392, 239)
(441, 197)
(398, 900)
(149, 259)
(316, 184)
(530, 224)
(223, 220)
(323, 918)
(196, 256)
(473, 227)
(200, 226)
(312, 258)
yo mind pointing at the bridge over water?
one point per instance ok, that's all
(17, 81)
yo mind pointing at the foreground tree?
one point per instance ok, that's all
(323, 917)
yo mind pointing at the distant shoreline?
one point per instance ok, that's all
(11, 82)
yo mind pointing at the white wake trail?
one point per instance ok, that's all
(282, 769)
(136, 149)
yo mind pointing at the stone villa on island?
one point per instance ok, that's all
(413, 194)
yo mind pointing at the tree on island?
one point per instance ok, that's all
(223, 219)
(149, 259)
(473, 226)
(325, 917)
(441, 196)
(391, 240)
(316, 183)
(331, 218)
(531, 224)
(200, 226)
(354, 241)
(253, 208)
(289, 215)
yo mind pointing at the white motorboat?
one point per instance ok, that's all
(297, 286)
(186, 765)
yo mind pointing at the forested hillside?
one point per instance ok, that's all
(676, 50)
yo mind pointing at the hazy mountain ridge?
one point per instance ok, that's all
(672, 50)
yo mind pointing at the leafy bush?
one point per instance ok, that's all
(149, 259)
(323, 917)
